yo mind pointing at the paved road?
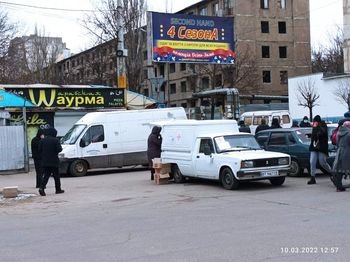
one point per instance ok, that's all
(123, 216)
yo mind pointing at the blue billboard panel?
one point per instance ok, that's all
(189, 38)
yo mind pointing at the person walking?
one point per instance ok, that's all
(305, 122)
(275, 123)
(318, 148)
(262, 126)
(37, 156)
(341, 165)
(154, 143)
(49, 147)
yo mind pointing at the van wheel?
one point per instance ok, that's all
(295, 169)
(277, 181)
(78, 168)
(228, 180)
(178, 177)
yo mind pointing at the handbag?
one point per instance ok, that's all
(316, 144)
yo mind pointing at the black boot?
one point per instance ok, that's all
(312, 181)
(60, 191)
(42, 192)
(152, 176)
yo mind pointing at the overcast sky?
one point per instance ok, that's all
(325, 15)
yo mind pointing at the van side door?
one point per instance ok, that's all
(204, 159)
(93, 147)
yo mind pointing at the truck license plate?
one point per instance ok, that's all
(269, 173)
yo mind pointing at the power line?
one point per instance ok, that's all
(48, 8)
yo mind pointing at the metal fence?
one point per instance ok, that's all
(11, 148)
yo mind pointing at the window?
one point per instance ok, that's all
(284, 77)
(145, 55)
(183, 86)
(173, 88)
(283, 51)
(145, 74)
(285, 119)
(277, 139)
(205, 83)
(218, 80)
(161, 69)
(282, 4)
(265, 27)
(203, 11)
(206, 142)
(155, 72)
(111, 66)
(94, 134)
(183, 67)
(265, 51)
(215, 9)
(172, 68)
(282, 29)
(264, 4)
(266, 77)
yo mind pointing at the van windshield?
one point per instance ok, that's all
(236, 142)
(72, 135)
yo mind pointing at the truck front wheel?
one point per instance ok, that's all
(178, 177)
(78, 168)
(228, 180)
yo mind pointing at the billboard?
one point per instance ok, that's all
(192, 39)
(72, 97)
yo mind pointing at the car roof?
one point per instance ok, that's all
(285, 129)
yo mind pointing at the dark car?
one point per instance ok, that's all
(292, 141)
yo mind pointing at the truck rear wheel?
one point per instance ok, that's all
(78, 168)
(277, 181)
(178, 177)
(228, 180)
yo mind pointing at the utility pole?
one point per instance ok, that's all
(121, 53)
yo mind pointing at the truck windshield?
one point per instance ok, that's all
(72, 135)
(235, 142)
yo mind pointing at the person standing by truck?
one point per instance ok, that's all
(49, 147)
(154, 143)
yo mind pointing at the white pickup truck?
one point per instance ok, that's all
(214, 149)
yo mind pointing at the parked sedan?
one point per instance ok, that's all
(292, 141)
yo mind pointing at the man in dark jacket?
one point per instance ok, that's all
(305, 122)
(37, 156)
(49, 147)
(318, 148)
(262, 126)
(154, 147)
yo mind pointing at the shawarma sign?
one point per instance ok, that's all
(72, 97)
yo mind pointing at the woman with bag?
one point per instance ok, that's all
(318, 148)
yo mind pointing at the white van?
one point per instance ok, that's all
(253, 118)
(215, 149)
(111, 139)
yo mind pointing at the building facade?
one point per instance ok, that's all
(346, 28)
(272, 41)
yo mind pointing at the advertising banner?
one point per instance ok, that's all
(73, 97)
(189, 38)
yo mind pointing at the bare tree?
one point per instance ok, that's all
(103, 25)
(329, 58)
(7, 32)
(342, 92)
(307, 95)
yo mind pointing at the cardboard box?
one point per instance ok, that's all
(156, 163)
(10, 192)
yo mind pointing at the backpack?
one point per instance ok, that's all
(334, 136)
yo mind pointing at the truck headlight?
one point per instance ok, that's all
(247, 164)
(283, 161)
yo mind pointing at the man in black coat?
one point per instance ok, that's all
(154, 143)
(37, 156)
(49, 147)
